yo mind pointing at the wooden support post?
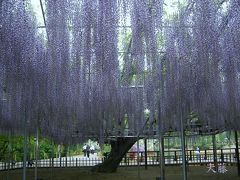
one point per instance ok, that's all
(237, 152)
(145, 149)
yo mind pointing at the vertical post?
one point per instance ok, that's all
(190, 158)
(222, 156)
(205, 154)
(52, 158)
(60, 161)
(183, 148)
(66, 157)
(12, 155)
(237, 152)
(175, 156)
(36, 154)
(9, 154)
(125, 158)
(138, 157)
(161, 145)
(214, 152)
(24, 149)
(169, 160)
(162, 159)
(145, 149)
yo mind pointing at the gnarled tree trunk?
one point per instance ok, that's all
(118, 149)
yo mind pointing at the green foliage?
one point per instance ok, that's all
(14, 149)
(4, 147)
(75, 150)
(45, 148)
(105, 148)
(223, 140)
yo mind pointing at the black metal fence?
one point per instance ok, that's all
(172, 157)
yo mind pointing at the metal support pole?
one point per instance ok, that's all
(52, 158)
(183, 148)
(145, 149)
(162, 159)
(161, 146)
(138, 158)
(36, 155)
(66, 151)
(24, 150)
(237, 153)
(9, 155)
(168, 150)
(214, 152)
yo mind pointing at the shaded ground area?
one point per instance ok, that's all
(123, 173)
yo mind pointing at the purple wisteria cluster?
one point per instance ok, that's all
(117, 68)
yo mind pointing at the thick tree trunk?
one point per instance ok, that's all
(118, 149)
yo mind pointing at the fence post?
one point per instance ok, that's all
(230, 157)
(145, 157)
(125, 158)
(66, 161)
(175, 156)
(25, 149)
(162, 158)
(214, 152)
(205, 154)
(36, 155)
(190, 158)
(200, 158)
(222, 156)
(237, 152)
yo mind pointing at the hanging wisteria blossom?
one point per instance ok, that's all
(117, 68)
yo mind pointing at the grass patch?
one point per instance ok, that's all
(123, 173)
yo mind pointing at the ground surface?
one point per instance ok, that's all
(124, 173)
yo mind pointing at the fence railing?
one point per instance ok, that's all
(227, 156)
(172, 157)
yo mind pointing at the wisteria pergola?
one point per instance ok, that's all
(118, 68)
